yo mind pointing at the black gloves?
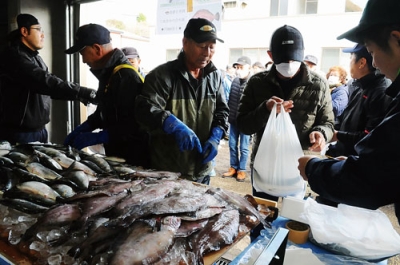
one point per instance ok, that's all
(87, 95)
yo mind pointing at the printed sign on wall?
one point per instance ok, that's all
(173, 15)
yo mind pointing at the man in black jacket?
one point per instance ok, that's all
(27, 86)
(119, 84)
(367, 103)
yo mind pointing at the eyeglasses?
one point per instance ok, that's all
(39, 29)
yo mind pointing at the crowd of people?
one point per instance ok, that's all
(175, 116)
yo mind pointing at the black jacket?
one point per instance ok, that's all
(26, 89)
(116, 111)
(235, 94)
(366, 109)
(371, 178)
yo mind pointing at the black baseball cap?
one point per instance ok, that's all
(376, 12)
(242, 61)
(287, 45)
(26, 21)
(201, 30)
(88, 35)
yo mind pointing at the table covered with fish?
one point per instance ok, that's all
(59, 205)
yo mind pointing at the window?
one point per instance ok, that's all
(334, 56)
(255, 54)
(230, 4)
(172, 54)
(311, 6)
(279, 7)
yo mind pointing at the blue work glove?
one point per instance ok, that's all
(210, 149)
(84, 127)
(184, 136)
(88, 138)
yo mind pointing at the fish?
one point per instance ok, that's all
(189, 227)
(146, 248)
(18, 157)
(48, 161)
(221, 230)
(23, 205)
(49, 151)
(42, 171)
(69, 163)
(99, 204)
(57, 216)
(238, 202)
(146, 194)
(99, 161)
(78, 178)
(110, 189)
(5, 161)
(64, 190)
(102, 233)
(204, 13)
(33, 191)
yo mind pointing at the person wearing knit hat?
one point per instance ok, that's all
(368, 178)
(27, 86)
(292, 85)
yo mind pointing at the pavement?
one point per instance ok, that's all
(222, 166)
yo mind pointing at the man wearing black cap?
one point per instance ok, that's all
(27, 86)
(292, 84)
(238, 156)
(119, 84)
(369, 179)
(183, 106)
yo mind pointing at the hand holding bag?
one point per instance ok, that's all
(275, 165)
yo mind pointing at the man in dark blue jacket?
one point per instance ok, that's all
(371, 178)
(238, 157)
(27, 86)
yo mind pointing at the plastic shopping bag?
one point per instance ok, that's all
(275, 165)
(353, 231)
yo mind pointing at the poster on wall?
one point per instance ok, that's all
(173, 15)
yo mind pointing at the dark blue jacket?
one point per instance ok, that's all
(371, 178)
(235, 94)
(366, 109)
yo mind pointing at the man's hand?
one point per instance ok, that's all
(303, 163)
(185, 138)
(317, 140)
(287, 105)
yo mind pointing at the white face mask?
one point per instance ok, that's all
(288, 69)
(242, 73)
(333, 80)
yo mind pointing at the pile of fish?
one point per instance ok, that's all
(90, 209)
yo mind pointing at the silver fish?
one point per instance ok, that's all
(42, 171)
(69, 163)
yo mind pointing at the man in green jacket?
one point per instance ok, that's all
(291, 83)
(183, 106)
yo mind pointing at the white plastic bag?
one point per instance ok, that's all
(353, 231)
(275, 165)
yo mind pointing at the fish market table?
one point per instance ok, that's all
(262, 240)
